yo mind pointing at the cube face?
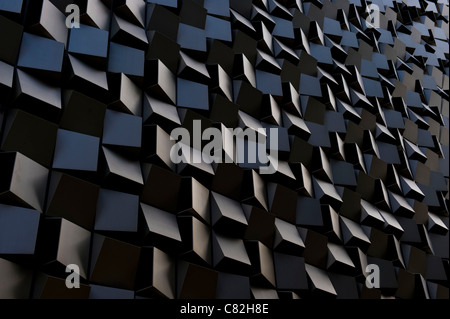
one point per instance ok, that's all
(37, 97)
(217, 29)
(11, 36)
(129, 97)
(82, 114)
(124, 258)
(134, 57)
(195, 282)
(48, 21)
(102, 292)
(116, 211)
(162, 20)
(24, 181)
(11, 6)
(228, 252)
(17, 280)
(192, 95)
(193, 13)
(233, 286)
(196, 238)
(62, 244)
(227, 214)
(85, 78)
(161, 223)
(90, 41)
(164, 195)
(128, 33)
(32, 136)
(50, 287)
(122, 130)
(7, 75)
(75, 151)
(162, 83)
(98, 122)
(287, 277)
(19, 227)
(191, 38)
(49, 53)
(320, 280)
(73, 199)
(156, 275)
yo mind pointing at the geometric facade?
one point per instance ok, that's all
(358, 95)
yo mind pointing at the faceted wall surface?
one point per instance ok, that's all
(357, 91)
